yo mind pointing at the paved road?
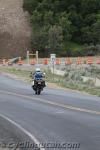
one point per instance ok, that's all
(56, 116)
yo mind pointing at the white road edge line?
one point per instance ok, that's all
(23, 130)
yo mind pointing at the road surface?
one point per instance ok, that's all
(61, 117)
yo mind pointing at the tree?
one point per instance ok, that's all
(65, 23)
(39, 40)
(30, 5)
(74, 21)
(55, 38)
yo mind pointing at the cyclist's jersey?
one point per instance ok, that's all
(38, 76)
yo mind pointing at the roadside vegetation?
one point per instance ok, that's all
(16, 72)
(72, 79)
(65, 27)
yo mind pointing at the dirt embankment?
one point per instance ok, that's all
(15, 29)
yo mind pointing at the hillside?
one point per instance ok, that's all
(15, 30)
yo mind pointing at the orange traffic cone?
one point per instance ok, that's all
(98, 61)
(45, 61)
(79, 61)
(58, 62)
(68, 61)
(90, 60)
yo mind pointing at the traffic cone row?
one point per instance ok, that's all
(68, 61)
